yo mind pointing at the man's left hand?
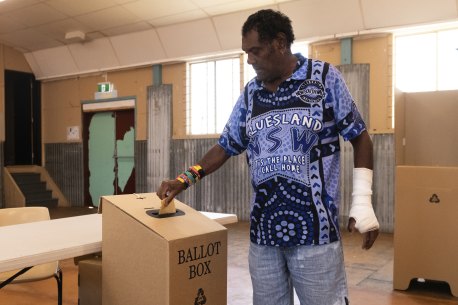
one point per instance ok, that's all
(368, 237)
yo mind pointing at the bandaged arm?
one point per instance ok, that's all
(361, 206)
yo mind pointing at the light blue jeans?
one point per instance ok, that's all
(316, 273)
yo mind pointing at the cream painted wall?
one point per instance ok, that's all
(61, 101)
(10, 59)
(327, 51)
(376, 51)
(15, 60)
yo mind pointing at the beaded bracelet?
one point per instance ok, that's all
(191, 176)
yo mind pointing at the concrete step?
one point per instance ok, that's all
(34, 190)
(50, 203)
(26, 178)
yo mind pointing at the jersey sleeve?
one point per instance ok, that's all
(348, 119)
(234, 139)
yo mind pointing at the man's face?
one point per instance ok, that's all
(263, 56)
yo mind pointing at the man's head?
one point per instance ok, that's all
(267, 36)
(268, 24)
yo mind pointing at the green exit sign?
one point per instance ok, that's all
(104, 87)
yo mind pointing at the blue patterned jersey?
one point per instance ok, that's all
(291, 138)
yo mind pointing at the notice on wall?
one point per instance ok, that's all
(73, 133)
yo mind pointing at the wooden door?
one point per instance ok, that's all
(109, 154)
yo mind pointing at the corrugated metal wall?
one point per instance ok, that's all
(228, 190)
(141, 151)
(159, 134)
(383, 181)
(64, 162)
(357, 79)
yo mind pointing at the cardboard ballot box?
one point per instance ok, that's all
(171, 259)
(90, 281)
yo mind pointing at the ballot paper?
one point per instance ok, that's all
(169, 209)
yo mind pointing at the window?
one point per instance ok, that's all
(427, 61)
(447, 60)
(214, 87)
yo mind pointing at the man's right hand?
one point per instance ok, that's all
(169, 189)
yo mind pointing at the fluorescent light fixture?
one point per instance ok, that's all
(74, 36)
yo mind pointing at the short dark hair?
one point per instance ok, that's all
(268, 23)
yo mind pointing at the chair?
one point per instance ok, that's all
(13, 216)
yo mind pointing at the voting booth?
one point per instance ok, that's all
(168, 259)
(426, 200)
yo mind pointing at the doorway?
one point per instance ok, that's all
(109, 138)
(22, 119)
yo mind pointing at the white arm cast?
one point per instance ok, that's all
(361, 207)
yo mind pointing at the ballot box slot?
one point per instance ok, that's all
(155, 213)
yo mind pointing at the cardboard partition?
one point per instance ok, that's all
(426, 128)
(425, 243)
(171, 259)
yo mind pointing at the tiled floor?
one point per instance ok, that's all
(369, 275)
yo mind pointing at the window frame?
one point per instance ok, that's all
(188, 116)
(438, 65)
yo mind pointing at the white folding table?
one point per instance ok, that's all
(30, 244)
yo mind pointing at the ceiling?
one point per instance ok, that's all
(114, 34)
(31, 25)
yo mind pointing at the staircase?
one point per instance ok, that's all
(34, 190)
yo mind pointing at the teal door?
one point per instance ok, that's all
(110, 162)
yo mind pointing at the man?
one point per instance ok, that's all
(288, 120)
